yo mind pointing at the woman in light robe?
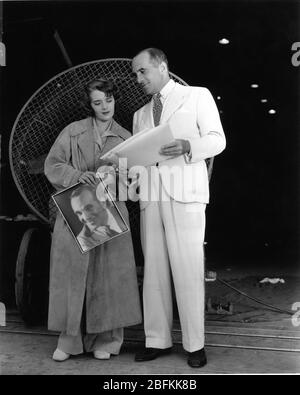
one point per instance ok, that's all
(93, 296)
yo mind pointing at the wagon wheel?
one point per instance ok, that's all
(32, 276)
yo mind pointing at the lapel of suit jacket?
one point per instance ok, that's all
(174, 102)
(146, 116)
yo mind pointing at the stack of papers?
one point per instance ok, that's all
(143, 148)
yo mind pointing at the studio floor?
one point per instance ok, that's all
(231, 349)
(248, 338)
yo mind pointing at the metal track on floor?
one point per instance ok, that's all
(223, 336)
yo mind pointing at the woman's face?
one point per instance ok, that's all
(103, 106)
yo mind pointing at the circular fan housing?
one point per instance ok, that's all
(52, 107)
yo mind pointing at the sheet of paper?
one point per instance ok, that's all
(142, 149)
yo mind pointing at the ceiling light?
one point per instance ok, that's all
(254, 85)
(218, 97)
(264, 100)
(272, 111)
(224, 41)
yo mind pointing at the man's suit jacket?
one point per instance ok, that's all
(88, 239)
(192, 115)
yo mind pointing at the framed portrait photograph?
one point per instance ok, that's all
(91, 214)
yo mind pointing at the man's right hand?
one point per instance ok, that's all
(88, 177)
(112, 159)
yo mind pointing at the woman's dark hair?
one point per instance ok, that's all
(102, 85)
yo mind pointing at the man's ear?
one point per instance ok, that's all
(163, 67)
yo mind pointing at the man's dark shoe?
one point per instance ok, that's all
(148, 354)
(197, 359)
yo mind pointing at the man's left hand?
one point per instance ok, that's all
(176, 148)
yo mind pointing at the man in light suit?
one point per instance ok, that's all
(173, 218)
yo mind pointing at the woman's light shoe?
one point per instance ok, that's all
(60, 356)
(101, 354)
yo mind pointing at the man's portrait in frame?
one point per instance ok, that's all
(91, 214)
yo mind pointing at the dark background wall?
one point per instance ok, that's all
(254, 210)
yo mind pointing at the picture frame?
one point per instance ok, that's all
(91, 214)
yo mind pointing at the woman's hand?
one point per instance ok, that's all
(88, 177)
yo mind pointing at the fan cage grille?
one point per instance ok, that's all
(52, 107)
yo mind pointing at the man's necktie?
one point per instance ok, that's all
(157, 108)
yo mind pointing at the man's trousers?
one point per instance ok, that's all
(172, 236)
